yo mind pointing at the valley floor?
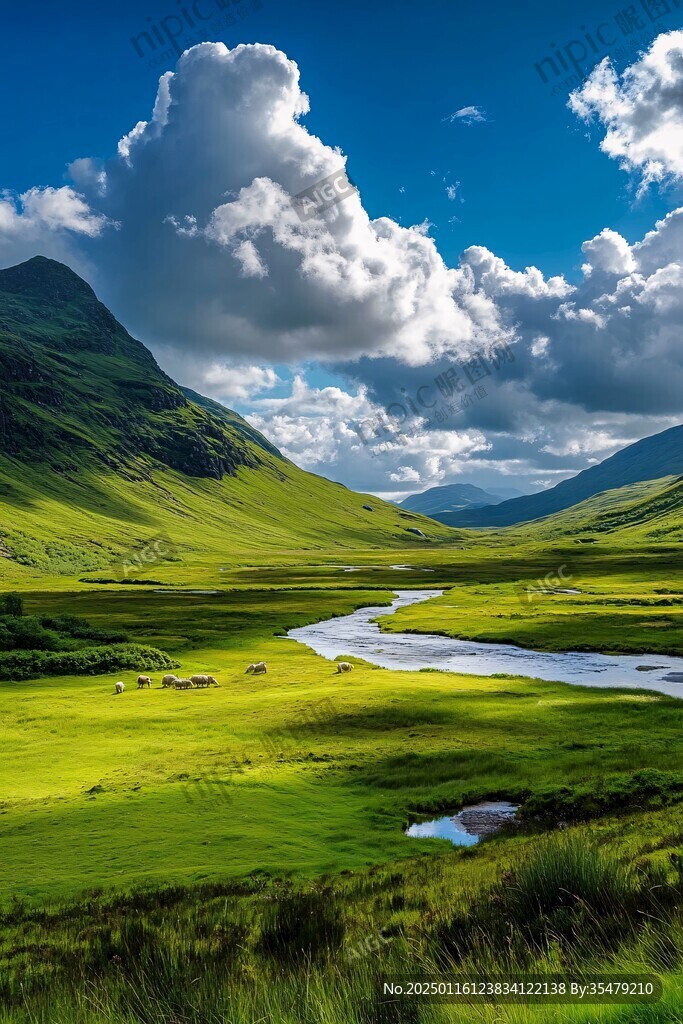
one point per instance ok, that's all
(297, 786)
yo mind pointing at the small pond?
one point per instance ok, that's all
(468, 826)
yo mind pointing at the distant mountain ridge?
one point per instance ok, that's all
(652, 457)
(450, 498)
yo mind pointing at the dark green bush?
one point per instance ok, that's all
(27, 633)
(19, 665)
(34, 633)
(11, 604)
(79, 629)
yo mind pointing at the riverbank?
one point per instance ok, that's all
(361, 635)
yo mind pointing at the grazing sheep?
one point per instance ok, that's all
(258, 668)
(204, 680)
(144, 681)
(168, 680)
(119, 688)
(183, 684)
(344, 666)
(209, 680)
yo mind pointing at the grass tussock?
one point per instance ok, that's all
(272, 951)
(625, 791)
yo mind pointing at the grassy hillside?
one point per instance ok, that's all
(646, 511)
(91, 523)
(101, 453)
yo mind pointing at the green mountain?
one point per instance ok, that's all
(450, 498)
(100, 451)
(233, 420)
(650, 459)
(649, 511)
(75, 386)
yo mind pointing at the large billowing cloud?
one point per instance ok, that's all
(326, 429)
(642, 111)
(223, 262)
(188, 231)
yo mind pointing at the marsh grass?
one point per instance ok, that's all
(268, 951)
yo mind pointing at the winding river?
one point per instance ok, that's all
(358, 636)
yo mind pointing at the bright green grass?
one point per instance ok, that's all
(304, 773)
(622, 614)
(332, 794)
(59, 527)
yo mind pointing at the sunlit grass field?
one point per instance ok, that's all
(150, 842)
(304, 770)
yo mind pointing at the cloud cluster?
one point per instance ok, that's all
(642, 111)
(189, 233)
(46, 219)
(224, 265)
(468, 115)
(326, 428)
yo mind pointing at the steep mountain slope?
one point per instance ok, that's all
(74, 385)
(450, 498)
(653, 457)
(233, 420)
(100, 450)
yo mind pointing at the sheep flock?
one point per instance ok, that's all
(202, 681)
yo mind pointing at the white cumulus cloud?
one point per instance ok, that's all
(641, 111)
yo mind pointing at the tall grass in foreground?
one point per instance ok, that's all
(319, 955)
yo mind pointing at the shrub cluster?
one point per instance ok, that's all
(35, 633)
(18, 665)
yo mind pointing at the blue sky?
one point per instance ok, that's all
(524, 178)
(382, 78)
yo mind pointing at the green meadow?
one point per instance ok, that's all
(238, 853)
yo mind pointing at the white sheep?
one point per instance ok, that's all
(183, 684)
(119, 688)
(258, 668)
(344, 666)
(144, 681)
(168, 680)
(204, 680)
